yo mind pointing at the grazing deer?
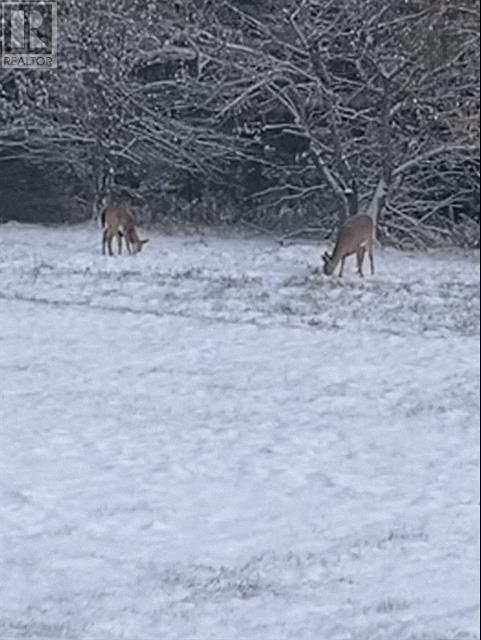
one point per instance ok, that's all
(356, 236)
(118, 222)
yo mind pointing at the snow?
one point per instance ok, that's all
(210, 441)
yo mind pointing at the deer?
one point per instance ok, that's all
(356, 236)
(119, 222)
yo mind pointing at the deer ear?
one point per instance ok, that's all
(145, 241)
(326, 257)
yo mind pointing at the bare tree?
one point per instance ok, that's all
(261, 110)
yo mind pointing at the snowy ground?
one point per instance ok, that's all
(208, 441)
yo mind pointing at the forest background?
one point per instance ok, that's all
(280, 115)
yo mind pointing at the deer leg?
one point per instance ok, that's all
(361, 254)
(371, 259)
(109, 243)
(119, 243)
(343, 265)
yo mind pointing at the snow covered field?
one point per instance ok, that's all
(209, 441)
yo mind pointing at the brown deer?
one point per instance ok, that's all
(118, 222)
(356, 236)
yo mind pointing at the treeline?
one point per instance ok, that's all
(280, 114)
